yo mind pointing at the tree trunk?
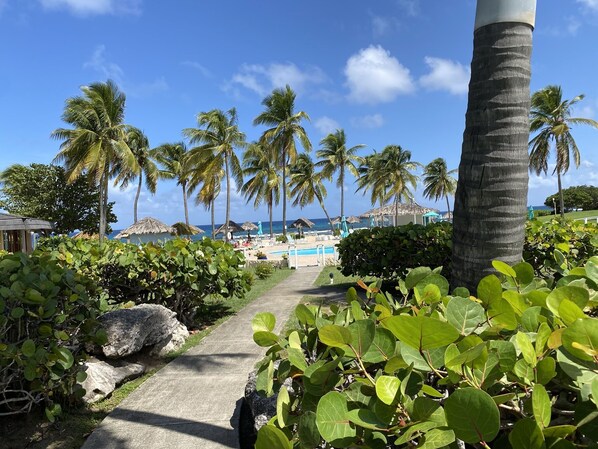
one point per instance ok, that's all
(184, 185)
(561, 199)
(270, 203)
(321, 200)
(226, 231)
(103, 206)
(213, 219)
(284, 191)
(137, 197)
(342, 182)
(491, 198)
(448, 206)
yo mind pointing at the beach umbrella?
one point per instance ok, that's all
(344, 228)
(259, 229)
(232, 227)
(372, 223)
(145, 226)
(181, 228)
(249, 226)
(302, 222)
(353, 219)
(336, 220)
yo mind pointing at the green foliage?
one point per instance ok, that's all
(41, 191)
(178, 274)
(47, 314)
(263, 270)
(558, 246)
(578, 197)
(515, 366)
(389, 252)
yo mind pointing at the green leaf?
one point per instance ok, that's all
(545, 370)
(297, 358)
(559, 431)
(335, 336)
(468, 356)
(387, 389)
(581, 339)
(415, 275)
(530, 320)
(264, 321)
(421, 332)
(541, 406)
(295, 340)
(65, 357)
(502, 315)
(489, 290)
(28, 348)
(472, 415)
(503, 268)
(265, 339)
(365, 418)
(362, 335)
(437, 438)
(17, 312)
(304, 315)
(434, 279)
(527, 435)
(578, 295)
(265, 380)
(332, 421)
(308, 430)
(526, 348)
(283, 405)
(269, 437)
(506, 352)
(569, 312)
(382, 348)
(465, 315)
(525, 272)
(595, 391)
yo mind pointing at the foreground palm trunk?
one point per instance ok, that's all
(491, 197)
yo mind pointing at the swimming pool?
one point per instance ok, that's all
(307, 251)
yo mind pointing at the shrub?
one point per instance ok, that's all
(263, 270)
(514, 367)
(47, 314)
(388, 253)
(281, 238)
(543, 213)
(179, 274)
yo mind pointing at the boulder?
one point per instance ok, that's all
(262, 408)
(142, 326)
(103, 378)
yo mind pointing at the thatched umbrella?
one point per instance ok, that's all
(145, 226)
(300, 223)
(353, 219)
(397, 210)
(181, 228)
(232, 227)
(249, 226)
(336, 220)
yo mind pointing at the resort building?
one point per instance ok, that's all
(19, 233)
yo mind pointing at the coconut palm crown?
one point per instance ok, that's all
(438, 181)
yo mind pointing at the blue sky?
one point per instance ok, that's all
(387, 72)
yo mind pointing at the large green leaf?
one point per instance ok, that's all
(387, 389)
(578, 295)
(437, 438)
(362, 335)
(503, 268)
(304, 315)
(297, 358)
(264, 321)
(581, 338)
(526, 348)
(382, 348)
(489, 290)
(269, 437)
(308, 430)
(472, 415)
(527, 435)
(332, 421)
(28, 348)
(65, 357)
(283, 405)
(421, 332)
(366, 418)
(335, 336)
(541, 406)
(465, 315)
(415, 275)
(265, 338)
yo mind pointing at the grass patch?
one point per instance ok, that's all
(32, 431)
(341, 282)
(573, 215)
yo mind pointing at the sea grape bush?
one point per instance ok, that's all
(388, 253)
(515, 366)
(47, 314)
(178, 274)
(551, 248)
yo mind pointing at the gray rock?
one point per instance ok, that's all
(130, 330)
(172, 343)
(262, 409)
(103, 378)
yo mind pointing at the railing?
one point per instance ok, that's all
(585, 220)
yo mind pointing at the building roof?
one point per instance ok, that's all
(10, 222)
(145, 226)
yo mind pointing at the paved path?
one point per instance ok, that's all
(194, 401)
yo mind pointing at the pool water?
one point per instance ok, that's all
(307, 251)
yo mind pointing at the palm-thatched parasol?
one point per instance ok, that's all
(398, 209)
(85, 235)
(336, 220)
(302, 222)
(249, 226)
(181, 228)
(232, 227)
(353, 219)
(145, 226)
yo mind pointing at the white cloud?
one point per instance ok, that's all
(542, 182)
(111, 70)
(446, 75)
(382, 26)
(411, 7)
(592, 4)
(368, 121)
(586, 108)
(262, 79)
(197, 66)
(326, 125)
(374, 76)
(94, 7)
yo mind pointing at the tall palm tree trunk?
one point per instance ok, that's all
(137, 197)
(448, 206)
(184, 186)
(227, 197)
(321, 201)
(491, 197)
(342, 182)
(561, 199)
(213, 219)
(103, 204)
(284, 191)
(270, 204)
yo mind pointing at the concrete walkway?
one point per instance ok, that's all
(194, 401)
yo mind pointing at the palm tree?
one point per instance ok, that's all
(218, 135)
(551, 119)
(491, 196)
(208, 192)
(306, 184)
(439, 182)
(96, 144)
(394, 171)
(139, 145)
(259, 163)
(285, 126)
(370, 178)
(173, 159)
(336, 156)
